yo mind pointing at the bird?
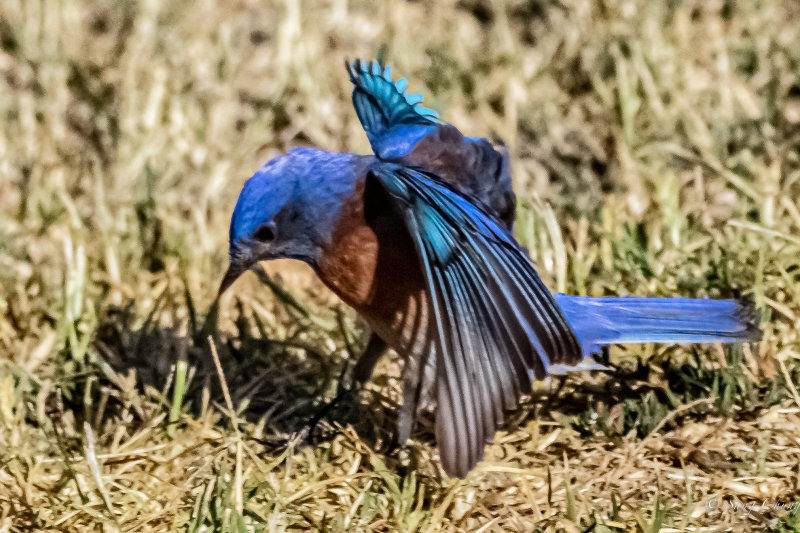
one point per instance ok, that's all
(417, 238)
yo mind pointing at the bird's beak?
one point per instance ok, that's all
(232, 274)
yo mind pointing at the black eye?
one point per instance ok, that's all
(265, 232)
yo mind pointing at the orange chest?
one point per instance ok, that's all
(371, 262)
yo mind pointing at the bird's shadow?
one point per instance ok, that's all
(281, 384)
(277, 384)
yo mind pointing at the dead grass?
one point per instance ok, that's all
(655, 152)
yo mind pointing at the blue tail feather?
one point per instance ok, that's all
(601, 321)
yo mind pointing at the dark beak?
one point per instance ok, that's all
(232, 274)
(235, 269)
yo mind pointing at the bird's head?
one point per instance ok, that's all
(286, 210)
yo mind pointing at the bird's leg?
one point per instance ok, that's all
(376, 347)
(419, 368)
(552, 395)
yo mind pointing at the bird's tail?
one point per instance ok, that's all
(602, 321)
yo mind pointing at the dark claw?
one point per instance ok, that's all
(323, 411)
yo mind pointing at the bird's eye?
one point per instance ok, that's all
(265, 232)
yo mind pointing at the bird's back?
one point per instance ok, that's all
(471, 165)
(401, 131)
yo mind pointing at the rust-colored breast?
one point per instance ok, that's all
(372, 265)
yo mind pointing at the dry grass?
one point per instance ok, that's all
(655, 152)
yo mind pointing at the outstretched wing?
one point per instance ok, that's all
(400, 129)
(495, 324)
(393, 119)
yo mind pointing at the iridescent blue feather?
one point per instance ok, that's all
(393, 118)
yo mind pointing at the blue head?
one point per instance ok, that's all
(288, 208)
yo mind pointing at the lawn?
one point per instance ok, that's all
(656, 151)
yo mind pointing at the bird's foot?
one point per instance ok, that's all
(309, 430)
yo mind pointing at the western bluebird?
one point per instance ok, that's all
(417, 239)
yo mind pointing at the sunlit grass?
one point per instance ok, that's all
(655, 152)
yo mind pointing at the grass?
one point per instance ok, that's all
(655, 152)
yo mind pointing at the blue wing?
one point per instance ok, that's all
(393, 119)
(401, 130)
(494, 323)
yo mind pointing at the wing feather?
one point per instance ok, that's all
(393, 119)
(493, 321)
